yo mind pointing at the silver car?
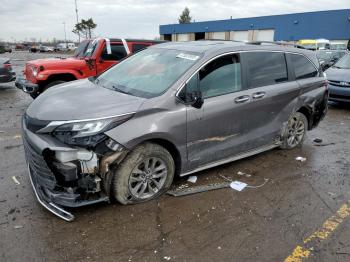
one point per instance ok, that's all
(171, 110)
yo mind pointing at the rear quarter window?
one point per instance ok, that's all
(118, 52)
(302, 66)
(265, 68)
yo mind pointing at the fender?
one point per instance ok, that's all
(44, 75)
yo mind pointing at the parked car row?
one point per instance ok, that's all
(170, 110)
(6, 73)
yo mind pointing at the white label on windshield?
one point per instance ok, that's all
(187, 56)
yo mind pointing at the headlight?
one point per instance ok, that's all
(91, 127)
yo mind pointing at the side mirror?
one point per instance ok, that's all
(197, 99)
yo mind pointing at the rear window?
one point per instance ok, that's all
(265, 68)
(303, 68)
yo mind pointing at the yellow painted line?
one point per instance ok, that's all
(330, 225)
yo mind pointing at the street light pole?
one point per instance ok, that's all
(65, 35)
(76, 11)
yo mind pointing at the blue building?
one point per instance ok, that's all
(332, 25)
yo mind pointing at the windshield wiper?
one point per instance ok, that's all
(120, 90)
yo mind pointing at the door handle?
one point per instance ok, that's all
(258, 95)
(242, 99)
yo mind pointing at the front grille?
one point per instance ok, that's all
(38, 166)
(339, 83)
(34, 124)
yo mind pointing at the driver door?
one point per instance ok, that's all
(106, 60)
(216, 130)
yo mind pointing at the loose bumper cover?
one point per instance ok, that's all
(43, 179)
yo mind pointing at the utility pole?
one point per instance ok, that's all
(76, 11)
(65, 35)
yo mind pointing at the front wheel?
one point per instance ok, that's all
(146, 173)
(295, 132)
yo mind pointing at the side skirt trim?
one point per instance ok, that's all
(233, 158)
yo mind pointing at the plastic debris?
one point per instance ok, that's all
(318, 140)
(192, 179)
(18, 227)
(197, 189)
(237, 185)
(15, 180)
(243, 174)
(300, 158)
(167, 258)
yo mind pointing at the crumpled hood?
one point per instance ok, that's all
(338, 74)
(81, 99)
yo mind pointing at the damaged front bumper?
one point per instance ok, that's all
(26, 86)
(56, 188)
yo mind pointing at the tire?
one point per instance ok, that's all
(53, 83)
(295, 131)
(132, 176)
(34, 95)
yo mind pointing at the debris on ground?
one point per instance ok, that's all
(192, 179)
(18, 227)
(243, 174)
(167, 258)
(318, 140)
(300, 158)
(237, 185)
(183, 186)
(198, 189)
(14, 178)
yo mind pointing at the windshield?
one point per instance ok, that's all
(90, 49)
(148, 73)
(79, 52)
(344, 62)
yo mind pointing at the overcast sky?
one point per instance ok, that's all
(43, 19)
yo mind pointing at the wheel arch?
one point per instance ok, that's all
(307, 112)
(171, 148)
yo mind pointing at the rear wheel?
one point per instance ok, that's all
(146, 173)
(295, 131)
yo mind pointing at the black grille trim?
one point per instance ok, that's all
(38, 166)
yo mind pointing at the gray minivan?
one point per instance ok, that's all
(172, 109)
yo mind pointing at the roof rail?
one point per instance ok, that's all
(257, 42)
(275, 43)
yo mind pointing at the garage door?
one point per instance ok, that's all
(239, 35)
(218, 35)
(183, 37)
(264, 35)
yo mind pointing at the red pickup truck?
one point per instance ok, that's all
(91, 58)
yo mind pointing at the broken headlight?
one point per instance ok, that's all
(87, 133)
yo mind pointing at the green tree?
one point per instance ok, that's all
(84, 28)
(185, 16)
